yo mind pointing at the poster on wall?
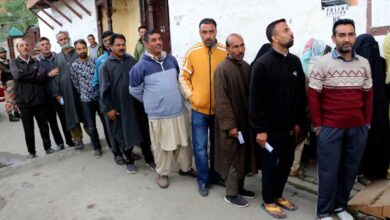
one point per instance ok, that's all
(337, 8)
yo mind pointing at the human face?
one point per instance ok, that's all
(283, 35)
(92, 40)
(208, 33)
(3, 55)
(118, 49)
(63, 40)
(344, 38)
(236, 48)
(45, 47)
(154, 44)
(23, 48)
(142, 32)
(81, 50)
(106, 42)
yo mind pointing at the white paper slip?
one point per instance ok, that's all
(240, 138)
(268, 147)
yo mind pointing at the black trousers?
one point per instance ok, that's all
(39, 112)
(276, 166)
(53, 108)
(89, 114)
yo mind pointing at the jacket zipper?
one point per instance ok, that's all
(210, 79)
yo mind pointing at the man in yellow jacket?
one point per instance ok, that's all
(197, 83)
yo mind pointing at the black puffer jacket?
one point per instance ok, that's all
(29, 82)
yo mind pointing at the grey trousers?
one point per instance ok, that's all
(233, 184)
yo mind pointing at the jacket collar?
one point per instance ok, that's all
(278, 55)
(112, 57)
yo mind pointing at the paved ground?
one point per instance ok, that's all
(75, 185)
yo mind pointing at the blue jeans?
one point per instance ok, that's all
(339, 154)
(201, 124)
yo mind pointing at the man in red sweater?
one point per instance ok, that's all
(340, 103)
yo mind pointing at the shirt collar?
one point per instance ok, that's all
(336, 55)
(26, 61)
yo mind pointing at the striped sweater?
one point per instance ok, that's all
(340, 92)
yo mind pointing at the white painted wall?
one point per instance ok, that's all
(79, 28)
(251, 17)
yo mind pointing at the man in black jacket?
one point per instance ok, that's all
(30, 96)
(277, 109)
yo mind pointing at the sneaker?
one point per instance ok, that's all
(49, 151)
(17, 114)
(247, 194)
(60, 147)
(203, 191)
(98, 153)
(79, 145)
(343, 215)
(131, 168)
(151, 165)
(119, 160)
(135, 156)
(162, 181)
(326, 218)
(12, 118)
(32, 156)
(237, 201)
(190, 173)
(70, 143)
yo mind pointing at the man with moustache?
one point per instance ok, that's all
(277, 107)
(234, 148)
(30, 96)
(53, 108)
(81, 73)
(65, 92)
(127, 116)
(197, 83)
(153, 81)
(340, 104)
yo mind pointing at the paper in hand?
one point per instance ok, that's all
(268, 147)
(240, 138)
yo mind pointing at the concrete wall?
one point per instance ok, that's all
(79, 28)
(126, 19)
(250, 18)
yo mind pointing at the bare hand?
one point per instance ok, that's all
(297, 131)
(317, 130)
(233, 132)
(112, 114)
(58, 98)
(54, 72)
(261, 139)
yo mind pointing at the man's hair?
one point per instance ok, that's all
(208, 21)
(80, 41)
(271, 28)
(142, 27)
(91, 35)
(345, 21)
(231, 35)
(148, 33)
(62, 32)
(116, 36)
(106, 34)
(44, 39)
(17, 44)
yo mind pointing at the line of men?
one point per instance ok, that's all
(237, 109)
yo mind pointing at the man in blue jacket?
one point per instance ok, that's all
(153, 81)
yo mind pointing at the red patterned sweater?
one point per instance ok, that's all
(340, 92)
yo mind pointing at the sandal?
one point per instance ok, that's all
(275, 211)
(286, 204)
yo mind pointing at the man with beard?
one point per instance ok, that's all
(197, 83)
(81, 73)
(53, 108)
(340, 103)
(30, 97)
(277, 107)
(65, 92)
(140, 47)
(127, 116)
(153, 81)
(234, 157)
(8, 82)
